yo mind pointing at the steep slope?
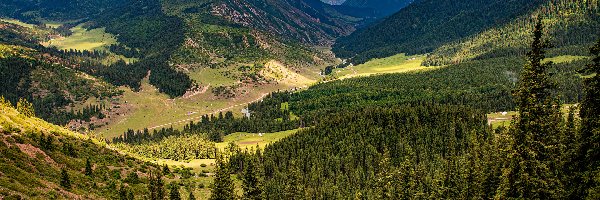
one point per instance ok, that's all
(572, 27)
(222, 32)
(307, 21)
(428, 24)
(381, 8)
(47, 77)
(33, 153)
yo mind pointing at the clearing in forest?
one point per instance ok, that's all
(394, 64)
(83, 39)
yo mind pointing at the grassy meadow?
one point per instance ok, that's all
(149, 108)
(252, 140)
(83, 39)
(395, 64)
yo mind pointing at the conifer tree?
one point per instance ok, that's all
(174, 192)
(531, 173)
(25, 108)
(252, 185)
(88, 167)
(166, 170)
(222, 187)
(65, 181)
(156, 187)
(588, 157)
(294, 187)
(125, 194)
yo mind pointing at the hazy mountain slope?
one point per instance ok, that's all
(33, 153)
(572, 26)
(307, 21)
(428, 24)
(381, 7)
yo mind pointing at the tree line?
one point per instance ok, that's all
(213, 127)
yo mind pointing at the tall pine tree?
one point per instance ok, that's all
(156, 187)
(65, 181)
(588, 159)
(88, 167)
(531, 172)
(174, 193)
(222, 187)
(252, 184)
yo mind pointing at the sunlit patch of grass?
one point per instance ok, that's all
(83, 39)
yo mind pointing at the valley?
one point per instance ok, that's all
(299, 99)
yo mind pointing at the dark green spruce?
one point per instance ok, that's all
(531, 172)
(222, 187)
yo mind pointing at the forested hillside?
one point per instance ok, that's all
(47, 77)
(430, 151)
(486, 85)
(381, 8)
(408, 151)
(211, 33)
(571, 25)
(427, 24)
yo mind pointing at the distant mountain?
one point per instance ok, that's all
(380, 7)
(427, 24)
(307, 21)
(224, 32)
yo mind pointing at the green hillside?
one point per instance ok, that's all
(571, 26)
(427, 24)
(47, 77)
(34, 152)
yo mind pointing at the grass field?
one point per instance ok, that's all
(394, 64)
(497, 119)
(205, 76)
(564, 59)
(82, 39)
(251, 140)
(149, 108)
